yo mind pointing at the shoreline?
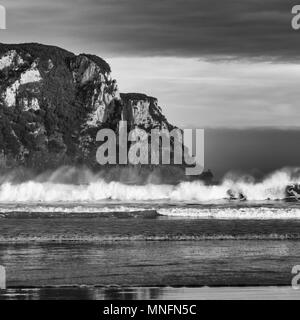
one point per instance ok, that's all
(152, 293)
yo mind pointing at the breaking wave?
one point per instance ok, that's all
(48, 211)
(67, 209)
(253, 213)
(147, 211)
(97, 189)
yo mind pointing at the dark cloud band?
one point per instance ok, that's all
(213, 28)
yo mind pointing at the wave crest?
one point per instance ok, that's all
(97, 189)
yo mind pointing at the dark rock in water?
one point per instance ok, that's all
(235, 195)
(53, 103)
(293, 192)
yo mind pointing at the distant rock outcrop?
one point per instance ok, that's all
(53, 102)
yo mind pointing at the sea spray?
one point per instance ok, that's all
(89, 188)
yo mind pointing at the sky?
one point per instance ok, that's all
(211, 63)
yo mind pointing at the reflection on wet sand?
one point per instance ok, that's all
(152, 293)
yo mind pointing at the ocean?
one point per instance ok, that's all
(143, 238)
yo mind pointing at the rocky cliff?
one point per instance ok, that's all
(53, 102)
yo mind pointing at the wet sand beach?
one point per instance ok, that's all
(153, 293)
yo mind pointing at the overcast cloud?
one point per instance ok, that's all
(241, 28)
(210, 62)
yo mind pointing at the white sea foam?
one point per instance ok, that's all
(272, 188)
(253, 213)
(67, 209)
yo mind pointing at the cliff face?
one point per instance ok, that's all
(143, 111)
(53, 102)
